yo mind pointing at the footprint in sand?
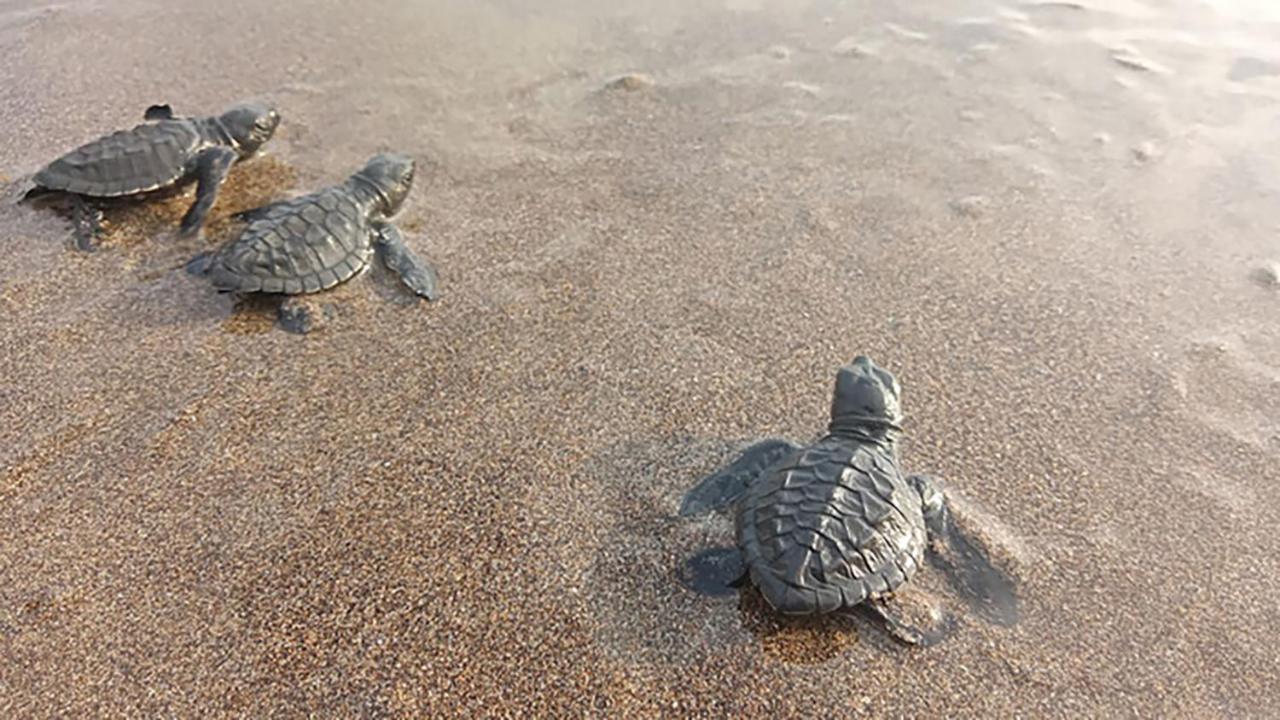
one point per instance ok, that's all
(1228, 389)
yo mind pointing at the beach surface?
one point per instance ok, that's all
(1056, 222)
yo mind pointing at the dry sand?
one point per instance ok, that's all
(1049, 218)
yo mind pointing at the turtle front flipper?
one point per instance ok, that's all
(87, 221)
(212, 167)
(932, 503)
(902, 631)
(726, 485)
(418, 275)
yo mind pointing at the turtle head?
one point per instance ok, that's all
(392, 175)
(250, 126)
(865, 401)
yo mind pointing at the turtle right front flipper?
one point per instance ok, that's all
(726, 485)
(213, 165)
(417, 274)
(933, 504)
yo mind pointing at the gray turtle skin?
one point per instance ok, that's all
(159, 156)
(836, 525)
(314, 242)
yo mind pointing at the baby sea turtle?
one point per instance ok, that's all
(834, 526)
(314, 242)
(161, 156)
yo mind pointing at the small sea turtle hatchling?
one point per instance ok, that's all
(312, 243)
(834, 526)
(162, 155)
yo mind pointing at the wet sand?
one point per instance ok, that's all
(1048, 219)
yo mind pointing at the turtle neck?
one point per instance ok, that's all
(876, 431)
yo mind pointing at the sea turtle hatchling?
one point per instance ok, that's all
(314, 242)
(158, 157)
(834, 526)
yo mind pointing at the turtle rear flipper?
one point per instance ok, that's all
(86, 218)
(87, 221)
(902, 631)
(726, 485)
(417, 274)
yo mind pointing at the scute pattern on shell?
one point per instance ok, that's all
(830, 527)
(305, 245)
(147, 157)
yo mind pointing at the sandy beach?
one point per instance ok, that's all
(1056, 222)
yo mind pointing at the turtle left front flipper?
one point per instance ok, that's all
(417, 274)
(212, 167)
(726, 485)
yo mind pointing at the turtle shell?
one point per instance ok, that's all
(303, 245)
(829, 527)
(149, 157)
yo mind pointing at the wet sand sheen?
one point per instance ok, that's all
(1046, 218)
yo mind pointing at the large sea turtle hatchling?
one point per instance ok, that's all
(312, 243)
(160, 156)
(834, 526)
